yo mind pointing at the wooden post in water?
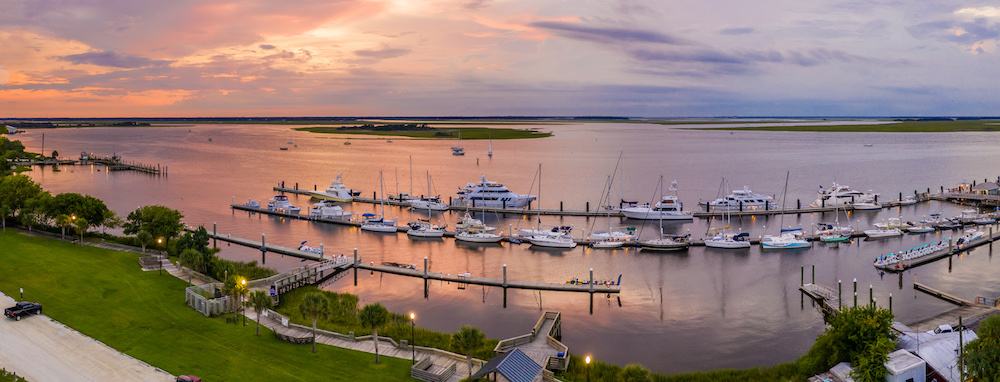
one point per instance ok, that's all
(588, 206)
(560, 206)
(214, 233)
(855, 291)
(890, 302)
(871, 296)
(425, 267)
(263, 250)
(814, 275)
(802, 275)
(355, 266)
(505, 281)
(839, 295)
(591, 282)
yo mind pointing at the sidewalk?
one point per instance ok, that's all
(41, 350)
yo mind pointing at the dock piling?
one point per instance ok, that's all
(505, 280)
(560, 206)
(355, 266)
(890, 302)
(591, 281)
(588, 206)
(871, 296)
(814, 274)
(839, 295)
(263, 250)
(425, 267)
(214, 232)
(802, 275)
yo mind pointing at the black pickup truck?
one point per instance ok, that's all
(22, 308)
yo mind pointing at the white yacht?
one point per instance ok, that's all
(867, 205)
(490, 194)
(668, 208)
(424, 228)
(280, 203)
(840, 195)
(476, 236)
(327, 209)
(788, 239)
(305, 248)
(336, 192)
(666, 243)
(968, 237)
(742, 199)
(553, 239)
(883, 232)
(429, 203)
(378, 223)
(728, 240)
(469, 223)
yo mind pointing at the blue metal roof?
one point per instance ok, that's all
(514, 365)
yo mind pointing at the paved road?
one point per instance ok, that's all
(41, 349)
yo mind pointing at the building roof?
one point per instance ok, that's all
(940, 351)
(514, 365)
(985, 186)
(901, 361)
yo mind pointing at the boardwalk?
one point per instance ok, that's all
(387, 347)
(268, 247)
(542, 345)
(504, 283)
(828, 297)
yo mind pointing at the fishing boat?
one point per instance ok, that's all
(305, 248)
(787, 238)
(741, 200)
(327, 209)
(867, 204)
(668, 208)
(378, 223)
(251, 203)
(968, 238)
(280, 203)
(490, 194)
(336, 192)
(424, 228)
(468, 223)
(834, 233)
(840, 195)
(920, 228)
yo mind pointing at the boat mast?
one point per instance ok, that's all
(381, 188)
(539, 196)
(411, 176)
(784, 194)
(653, 207)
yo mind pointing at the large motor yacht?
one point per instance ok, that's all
(336, 192)
(742, 200)
(490, 194)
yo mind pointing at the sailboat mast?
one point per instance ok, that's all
(381, 188)
(411, 176)
(784, 193)
(539, 195)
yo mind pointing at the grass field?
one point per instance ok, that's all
(900, 127)
(103, 294)
(439, 133)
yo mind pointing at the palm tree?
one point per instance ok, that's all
(315, 305)
(63, 221)
(374, 315)
(188, 257)
(144, 238)
(81, 225)
(467, 340)
(259, 300)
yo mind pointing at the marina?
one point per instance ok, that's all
(689, 296)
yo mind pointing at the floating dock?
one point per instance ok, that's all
(827, 297)
(503, 283)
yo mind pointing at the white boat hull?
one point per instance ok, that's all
(867, 206)
(478, 237)
(423, 205)
(648, 214)
(425, 233)
(334, 197)
(552, 242)
(379, 228)
(883, 233)
(607, 244)
(726, 243)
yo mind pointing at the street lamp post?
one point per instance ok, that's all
(413, 348)
(587, 361)
(244, 282)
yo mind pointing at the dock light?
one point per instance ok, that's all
(413, 347)
(587, 361)
(73, 217)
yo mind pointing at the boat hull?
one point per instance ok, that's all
(607, 244)
(552, 243)
(486, 238)
(646, 214)
(334, 197)
(379, 228)
(425, 233)
(726, 244)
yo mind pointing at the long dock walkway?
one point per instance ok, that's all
(598, 212)
(503, 283)
(268, 247)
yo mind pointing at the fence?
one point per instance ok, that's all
(194, 296)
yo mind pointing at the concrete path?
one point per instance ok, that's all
(41, 350)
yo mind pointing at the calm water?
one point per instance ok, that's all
(696, 310)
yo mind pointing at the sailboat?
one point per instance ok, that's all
(787, 239)
(556, 238)
(834, 233)
(611, 239)
(429, 203)
(473, 230)
(725, 239)
(665, 243)
(378, 223)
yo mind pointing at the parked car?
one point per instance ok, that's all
(22, 308)
(941, 329)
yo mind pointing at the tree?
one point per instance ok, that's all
(144, 239)
(81, 225)
(15, 191)
(374, 315)
(466, 341)
(33, 212)
(54, 153)
(633, 373)
(64, 221)
(315, 306)
(861, 335)
(85, 206)
(982, 355)
(259, 300)
(111, 220)
(188, 258)
(159, 221)
(235, 287)
(197, 240)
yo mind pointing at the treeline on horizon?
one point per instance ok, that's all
(13, 121)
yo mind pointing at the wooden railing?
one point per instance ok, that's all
(422, 371)
(510, 343)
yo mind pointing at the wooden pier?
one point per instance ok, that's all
(115, 163)
(827, 297)
(542, 345)
(597, 212)
(989, 238)
(942, 295)
(268, 247)
(503, 283)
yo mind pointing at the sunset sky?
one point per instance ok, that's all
(652, 58)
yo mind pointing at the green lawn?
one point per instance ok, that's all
(900, 127)
(103, 294)
(439, 133)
